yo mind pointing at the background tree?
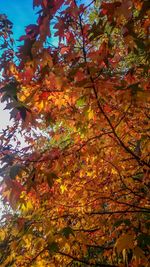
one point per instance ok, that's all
(79, 189)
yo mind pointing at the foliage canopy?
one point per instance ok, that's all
(77, 191)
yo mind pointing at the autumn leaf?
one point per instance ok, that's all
(125, 241)
(75, 160)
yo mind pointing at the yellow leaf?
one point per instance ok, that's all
(27, 241)
(67, 247)
(63, 188)
(41, 105)
(40, 263)
(26, 207)
(7, 261)
(113, 171)
(2, 235)
(90, 114)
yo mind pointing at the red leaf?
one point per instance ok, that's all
(64, 49)
(37, 3)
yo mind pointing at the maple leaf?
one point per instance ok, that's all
(125, 242)
(78, 192)
(10, 91)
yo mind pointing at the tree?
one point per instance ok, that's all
(78, 190)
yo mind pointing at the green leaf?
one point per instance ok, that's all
(67, 231)
(118, 223)
(53, 247)
(143, 240)
(138, 176)
(80, 102)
